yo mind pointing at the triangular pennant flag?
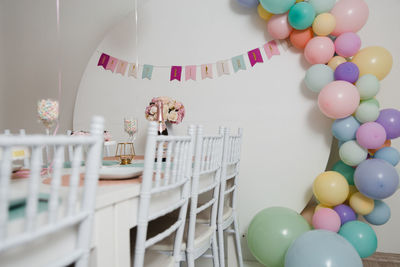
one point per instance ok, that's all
(222, 67)
(271, 49)
(103, 60)
(238, 63)
(206, 71)
(112, 63)
(190, 72)
(255, 56)
(121, 67)
(176, 72)
(132, 70)
(147, 71)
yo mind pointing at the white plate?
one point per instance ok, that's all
(16, 167)
(119, 172)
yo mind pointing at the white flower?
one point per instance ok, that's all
(172, 116)
(153, 110)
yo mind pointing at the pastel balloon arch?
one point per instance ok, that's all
(346, 79)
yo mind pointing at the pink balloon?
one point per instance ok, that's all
(338, 99)
(371, 135)
(319, 50)
(326, 219)
(278, 26)
(351, 16)
(347, 44)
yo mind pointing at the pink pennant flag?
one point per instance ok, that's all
(206, 71)
(112, 63)
(223, 67)
(176, 72)
(190, 73)
(121, 67)
(103, 60)
(255, 56)
(271, 48)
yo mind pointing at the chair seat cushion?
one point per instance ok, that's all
(154, 259)
(204, 216)
(203, 235)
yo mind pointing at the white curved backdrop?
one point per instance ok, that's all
(286, 138)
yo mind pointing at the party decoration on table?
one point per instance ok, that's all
(173, 112)
(47, 110)
(256, 55)
(131, 127)
(125, 153)
(346, 78)
(107, 135)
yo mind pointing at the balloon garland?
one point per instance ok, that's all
(346, 80)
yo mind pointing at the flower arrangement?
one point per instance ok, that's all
(173, 112)
(107, 136)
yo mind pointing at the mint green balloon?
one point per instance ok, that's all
(361, 236)
(371, 101)
(272, 231)
(301, 16)
(352, 154)
(277, 6)
(322, 6)
(317, 76)
(368, 86)
(345, 170)
(366, 112)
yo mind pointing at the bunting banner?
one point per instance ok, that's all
(223, 67)
(176, 72)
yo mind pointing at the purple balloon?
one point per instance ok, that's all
(376, 178)
(390, 120)
(371, 135)
(248, 3)
(347, 71)
(347, 44)
(346, 213)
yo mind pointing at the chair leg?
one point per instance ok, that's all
(221, 246)
(237, 241)
(215, 250)
(190, 260)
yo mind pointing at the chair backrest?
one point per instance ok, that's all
(65, 208)
(168, 177)
(205, 179)
(230, 171)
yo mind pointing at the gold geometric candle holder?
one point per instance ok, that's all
(125, 153)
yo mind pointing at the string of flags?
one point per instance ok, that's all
(124, 68)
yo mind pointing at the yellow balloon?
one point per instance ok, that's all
(336, 61)
(361, 204)
(264, 14)
(321, 206)
(324, 24)
(298, 1)
(374, 60)
(352, 190)
(331, 188)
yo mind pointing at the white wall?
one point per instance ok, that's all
(31, 52)
(2, 66)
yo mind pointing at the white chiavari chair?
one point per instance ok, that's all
(227, 216)
(170, 178)
(199, 238)
(26, 240)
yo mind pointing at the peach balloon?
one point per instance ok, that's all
(336, 61)
(386, 144)
(338, 99)
(308, 213)
(351, 16)
(374, 60)
(319, 50)
(278, 26)
(300, 38)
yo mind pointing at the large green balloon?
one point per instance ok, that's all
(272, 231)
(345, 170)
(361, 236)
(301, 16)
(277, 6)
